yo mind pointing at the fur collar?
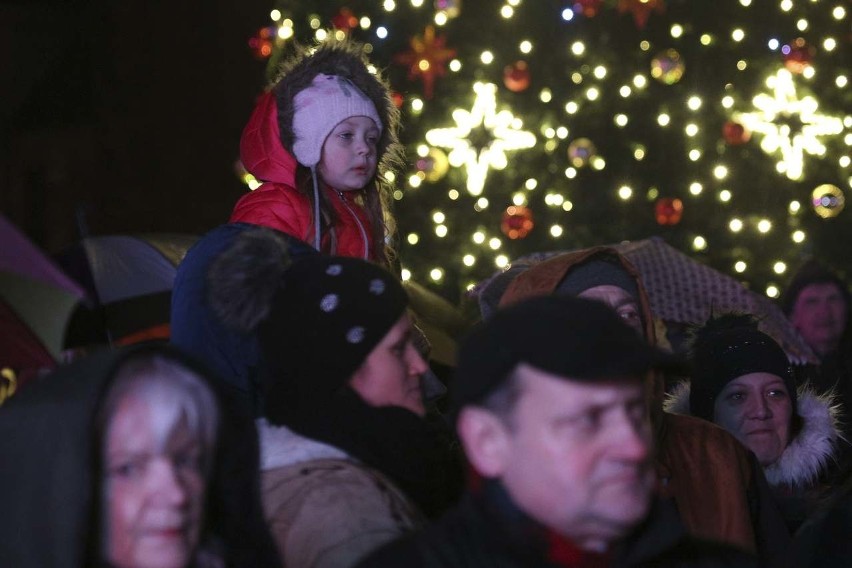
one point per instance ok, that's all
(281, 447)
(808, 454)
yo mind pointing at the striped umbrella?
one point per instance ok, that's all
(131, 278)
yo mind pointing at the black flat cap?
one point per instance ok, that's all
(574, 338)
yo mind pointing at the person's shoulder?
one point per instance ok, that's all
(332, 512)
(459, 539)
(689, 430)
(405, 551)
(698, 448)
(338, 478)
(699, 553)
(273, 205)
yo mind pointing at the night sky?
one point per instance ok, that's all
(121, 117)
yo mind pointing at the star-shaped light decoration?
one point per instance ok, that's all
(641, 9)
(427, 59)
(790, 126)
(481, 137)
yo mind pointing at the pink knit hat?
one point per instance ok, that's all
(329, 100)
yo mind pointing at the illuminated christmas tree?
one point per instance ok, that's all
(538, 125)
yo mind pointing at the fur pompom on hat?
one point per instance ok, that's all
(244, 279)
(317, 318)
(328, 101)
(727, 347)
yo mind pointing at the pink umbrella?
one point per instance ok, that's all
(35, 291)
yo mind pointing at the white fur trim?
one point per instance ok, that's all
(809, 452)
(678, 401)
(280, 447)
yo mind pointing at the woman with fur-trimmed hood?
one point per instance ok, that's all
(320, 140)
(743, 381)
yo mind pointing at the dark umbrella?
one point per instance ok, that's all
(683, 291)
(131, 279)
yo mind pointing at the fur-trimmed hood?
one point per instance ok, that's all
(809, 453)
(267, 143)
(281, 447)
(542, 279)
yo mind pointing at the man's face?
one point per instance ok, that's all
(578, 455)
(618, 299)
(820, 316)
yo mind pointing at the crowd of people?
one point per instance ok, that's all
(292, 419)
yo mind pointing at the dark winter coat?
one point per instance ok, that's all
(49, 485)
(823, 541)
(231, 355)
(488, 530)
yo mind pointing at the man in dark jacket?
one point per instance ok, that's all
(714, 483)
(550, 401)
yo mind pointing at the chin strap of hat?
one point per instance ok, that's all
(317, 239)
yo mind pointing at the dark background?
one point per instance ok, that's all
(122, 116)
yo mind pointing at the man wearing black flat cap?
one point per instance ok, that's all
(550, 403)
(716, 485)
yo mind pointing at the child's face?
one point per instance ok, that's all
(349, 154)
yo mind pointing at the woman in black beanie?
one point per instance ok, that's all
(743, 381)
(349, 458)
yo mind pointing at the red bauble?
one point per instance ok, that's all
(345, 20)
(516, 76)
(798, 55)
(735, 133)
(517, 222)
(668, 210)
(589, 8)
(261, 44)
(641, 9)
(397, 99)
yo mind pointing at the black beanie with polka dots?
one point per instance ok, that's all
(324, 320)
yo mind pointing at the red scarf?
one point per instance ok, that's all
(563, 552)
(560, 550)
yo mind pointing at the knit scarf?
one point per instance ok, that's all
(417, 454)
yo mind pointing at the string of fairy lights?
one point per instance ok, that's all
(480, 134)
